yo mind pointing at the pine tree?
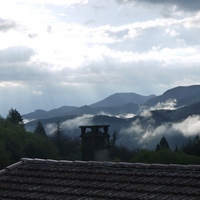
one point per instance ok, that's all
(15, 117)
(114, 139)
(39, 129)
(163, 144)
(58, 135)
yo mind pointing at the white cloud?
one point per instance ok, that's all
(37, 92)
(122, 115)
(145, 111)
(172, 33)
(70, 124)
(170, 104)
(48, 45)
(51, 128)
(78, 121)
(192, 21)
(147, 134)
(189, 127)
(9, 84)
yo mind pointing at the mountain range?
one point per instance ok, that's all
(123, 103)
(183, 94)
(174, 114)
(119, 103)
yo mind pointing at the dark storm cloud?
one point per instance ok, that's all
(16, 54)
(6, 24)
(189, 5)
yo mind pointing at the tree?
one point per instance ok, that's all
(15, 117)
(4, 156)
(165, 156)
(16, 142)
(192, 147)
(37, 146)
(58, 138)
(196, 145)
(69, 148)
(114, 139)
(176, 148)
(39, 129)
(163, 144)
(58, 134)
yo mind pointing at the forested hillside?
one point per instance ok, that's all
(16, 142)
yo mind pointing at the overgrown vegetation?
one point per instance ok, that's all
(16, 142)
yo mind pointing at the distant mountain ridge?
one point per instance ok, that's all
(119, 99)
(113, 110)
(123, 103)
(183, 94)
(42, 114)
(117, 103)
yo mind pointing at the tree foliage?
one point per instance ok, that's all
(122, 153)
(4, 155)
(163, 144)
(165, 156)
(192, 147)
(114, 139)
(15, 117)
(68, 147)
(16, 142)
(39, 129)
(58, 135)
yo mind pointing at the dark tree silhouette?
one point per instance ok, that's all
(163, 144)
(58, 133)
(114, 139)
(68, 148)
(15, 117)
(39, 129)
(192, 147)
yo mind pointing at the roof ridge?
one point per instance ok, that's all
(11, 167)
(101, 164)
(109, 164)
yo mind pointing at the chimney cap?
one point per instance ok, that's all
(91, 126)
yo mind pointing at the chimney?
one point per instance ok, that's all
(95, 142)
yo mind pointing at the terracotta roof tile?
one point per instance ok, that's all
(52, 179)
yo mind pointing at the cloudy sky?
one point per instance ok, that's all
(77, 52)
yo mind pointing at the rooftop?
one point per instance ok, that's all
(53, 179)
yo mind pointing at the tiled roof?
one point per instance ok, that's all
(51, 179)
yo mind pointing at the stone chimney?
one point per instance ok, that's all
(95, 142)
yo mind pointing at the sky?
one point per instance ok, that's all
(77, 52)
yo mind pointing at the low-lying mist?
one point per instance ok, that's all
(135, 131)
